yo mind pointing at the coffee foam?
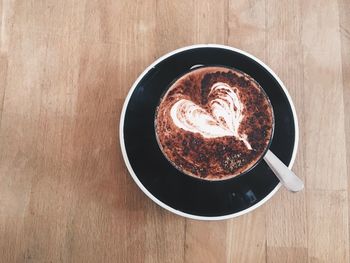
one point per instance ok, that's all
(214, 123)
(223, 118)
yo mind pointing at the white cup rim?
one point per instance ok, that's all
(133, 174)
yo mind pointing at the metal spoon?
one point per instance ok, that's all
(290, 181)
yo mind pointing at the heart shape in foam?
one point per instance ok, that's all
(223, 119)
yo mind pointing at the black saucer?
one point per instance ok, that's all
(178, 192)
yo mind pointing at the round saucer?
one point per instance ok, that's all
(180, 193)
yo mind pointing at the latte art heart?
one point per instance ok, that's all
(223, 117)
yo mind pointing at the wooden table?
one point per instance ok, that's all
(65, 69)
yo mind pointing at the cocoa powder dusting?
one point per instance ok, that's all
(220, 157)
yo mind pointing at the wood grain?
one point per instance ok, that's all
(65, 69)
(344, 23)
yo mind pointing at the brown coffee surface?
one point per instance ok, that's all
(214, 123)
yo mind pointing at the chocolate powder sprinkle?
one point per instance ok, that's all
(220, 157)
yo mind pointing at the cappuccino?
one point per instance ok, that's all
(214, 123)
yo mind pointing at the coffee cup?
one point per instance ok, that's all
(214, 123)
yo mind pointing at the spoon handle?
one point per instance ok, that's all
(286, 176)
